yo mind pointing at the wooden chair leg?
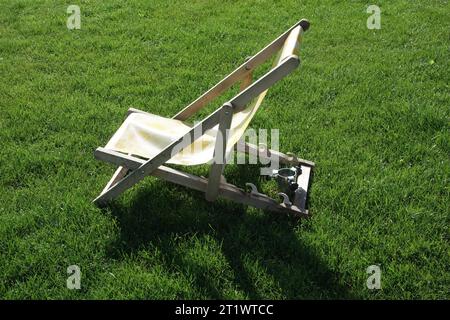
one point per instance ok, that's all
(215, 173)
(118, 175)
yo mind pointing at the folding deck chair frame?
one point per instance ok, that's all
(132, 169)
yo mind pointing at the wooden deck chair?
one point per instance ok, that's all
(145, 142)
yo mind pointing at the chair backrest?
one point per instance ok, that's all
(241, 100)
(242, 119)
(247, 102)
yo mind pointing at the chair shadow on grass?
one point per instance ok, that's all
(162, 213)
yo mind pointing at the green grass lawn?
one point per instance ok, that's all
(370, 107)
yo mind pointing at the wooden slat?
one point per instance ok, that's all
(283, 69)
(118, 158)
(118, 175)
(293, 38)
(246, 81)
(226, 115)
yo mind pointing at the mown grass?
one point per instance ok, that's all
(370, 107)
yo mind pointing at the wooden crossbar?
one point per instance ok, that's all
(215, 173)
